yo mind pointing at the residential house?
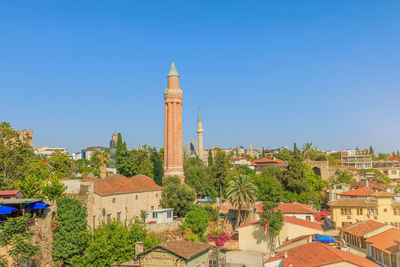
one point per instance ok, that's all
(263, 163)
(177, 253)
(373, 185)
(160, 216)
(356, 158)
(381, 207)
(294, 209)
(356, 234)
(337, 189)
(383, 248)
(252, 236)
(363, 193)
(115, 196)
(316, 254)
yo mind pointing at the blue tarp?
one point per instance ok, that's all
(38, 205)
(6, 209)
(325, 238)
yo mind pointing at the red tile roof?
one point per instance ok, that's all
(119, 184)
(360, 192)
(182, 248)
(373, 184)
(386, 240)
(318, 254)
(267, 160)
(361, 228)
(9, 192)
(290, 208)
(301, 222)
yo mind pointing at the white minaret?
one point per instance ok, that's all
(200, 136)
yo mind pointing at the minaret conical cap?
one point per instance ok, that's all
(173, 71)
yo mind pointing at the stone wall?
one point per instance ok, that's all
(162, 227)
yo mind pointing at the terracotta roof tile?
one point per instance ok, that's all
(362, 228)
(9, 192)
(360, 192)
(318, 254)
(182, 248)
(386, 240)
(373, 184)
(290, 208)
(267, 160)
(301, 222)
(119, 184)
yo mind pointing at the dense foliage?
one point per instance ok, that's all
(177, 195)
(197, 219)
(71, 236)
(15, 233)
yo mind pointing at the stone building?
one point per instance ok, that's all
(177, 253)
(173, 146)
(115, 196)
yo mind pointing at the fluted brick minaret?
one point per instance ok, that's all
(200, 136)
(173, 147)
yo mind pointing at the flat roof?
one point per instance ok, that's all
(160, 210)
(19, 201)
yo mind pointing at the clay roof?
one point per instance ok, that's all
(119, 184)
(267, 160)
(371, 184)
(362, 228)
(318, 254)
(9, 192)
(352, 202)
(383, 194)
(360, 192)
(182, 248)
(248, 224)
(301, 222)
(290, 208)
(386, 240)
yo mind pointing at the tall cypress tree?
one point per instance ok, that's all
(210, 159)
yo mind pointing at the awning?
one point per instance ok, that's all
(325, 238)
(38, 205)
(6, 209)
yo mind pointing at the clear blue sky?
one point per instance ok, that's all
(270, 72)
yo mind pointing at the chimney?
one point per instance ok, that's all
(138, 248)
(309, 239)
(285, 254)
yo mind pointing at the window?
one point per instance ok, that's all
(394, 211)
(113, 200)
(152, 207)
(394, 172)
(155, 215)
(137, 196)
(359, 211)
(341, 211)
(156, 194)
(108, 217)
(308, 218)
(119, 216)
(169, 214)
(384, 210)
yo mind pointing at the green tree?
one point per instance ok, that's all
(61, 165)
(32, 186)
(212, 213)
(197, 219)
(157, 158)
(54, 189)
(177, 195)
(15, 157)
(371, 152)
(196, 175)
(210, 159)
(307, 150)
(101, 159)
(269, 188)
(272, 216)
(241, 192)
(71, 237)
(15, 233)
(220, 170)
(343, 176)
(3, 261)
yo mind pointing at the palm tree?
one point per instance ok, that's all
(241, 192)
(307, 148)
(101, 159)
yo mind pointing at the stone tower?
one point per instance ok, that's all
(251, 150)
(200, 136)
(173, 147)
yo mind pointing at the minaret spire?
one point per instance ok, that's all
(172, 70)
(200, 137)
